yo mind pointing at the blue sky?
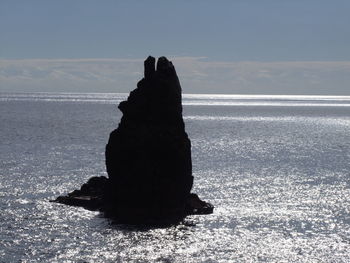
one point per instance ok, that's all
(292, 46)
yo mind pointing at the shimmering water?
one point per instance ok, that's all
(276, 168)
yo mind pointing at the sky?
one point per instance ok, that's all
(217, 46)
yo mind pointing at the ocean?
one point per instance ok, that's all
(276, 168)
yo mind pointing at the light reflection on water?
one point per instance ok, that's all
(278, 177)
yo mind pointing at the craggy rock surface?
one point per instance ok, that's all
(148, 157)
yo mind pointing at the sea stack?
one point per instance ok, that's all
(148, 157)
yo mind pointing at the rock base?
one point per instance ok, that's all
(92, 196)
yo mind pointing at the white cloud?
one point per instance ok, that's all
(197, 75)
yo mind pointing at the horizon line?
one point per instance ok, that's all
(185, 94)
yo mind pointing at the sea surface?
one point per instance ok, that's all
(277, 169)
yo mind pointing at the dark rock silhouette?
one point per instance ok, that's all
(148, 157)
(90, 196)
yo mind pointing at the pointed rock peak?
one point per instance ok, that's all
(149, 67)
(164, 66)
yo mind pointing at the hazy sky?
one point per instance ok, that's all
(217, 46)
